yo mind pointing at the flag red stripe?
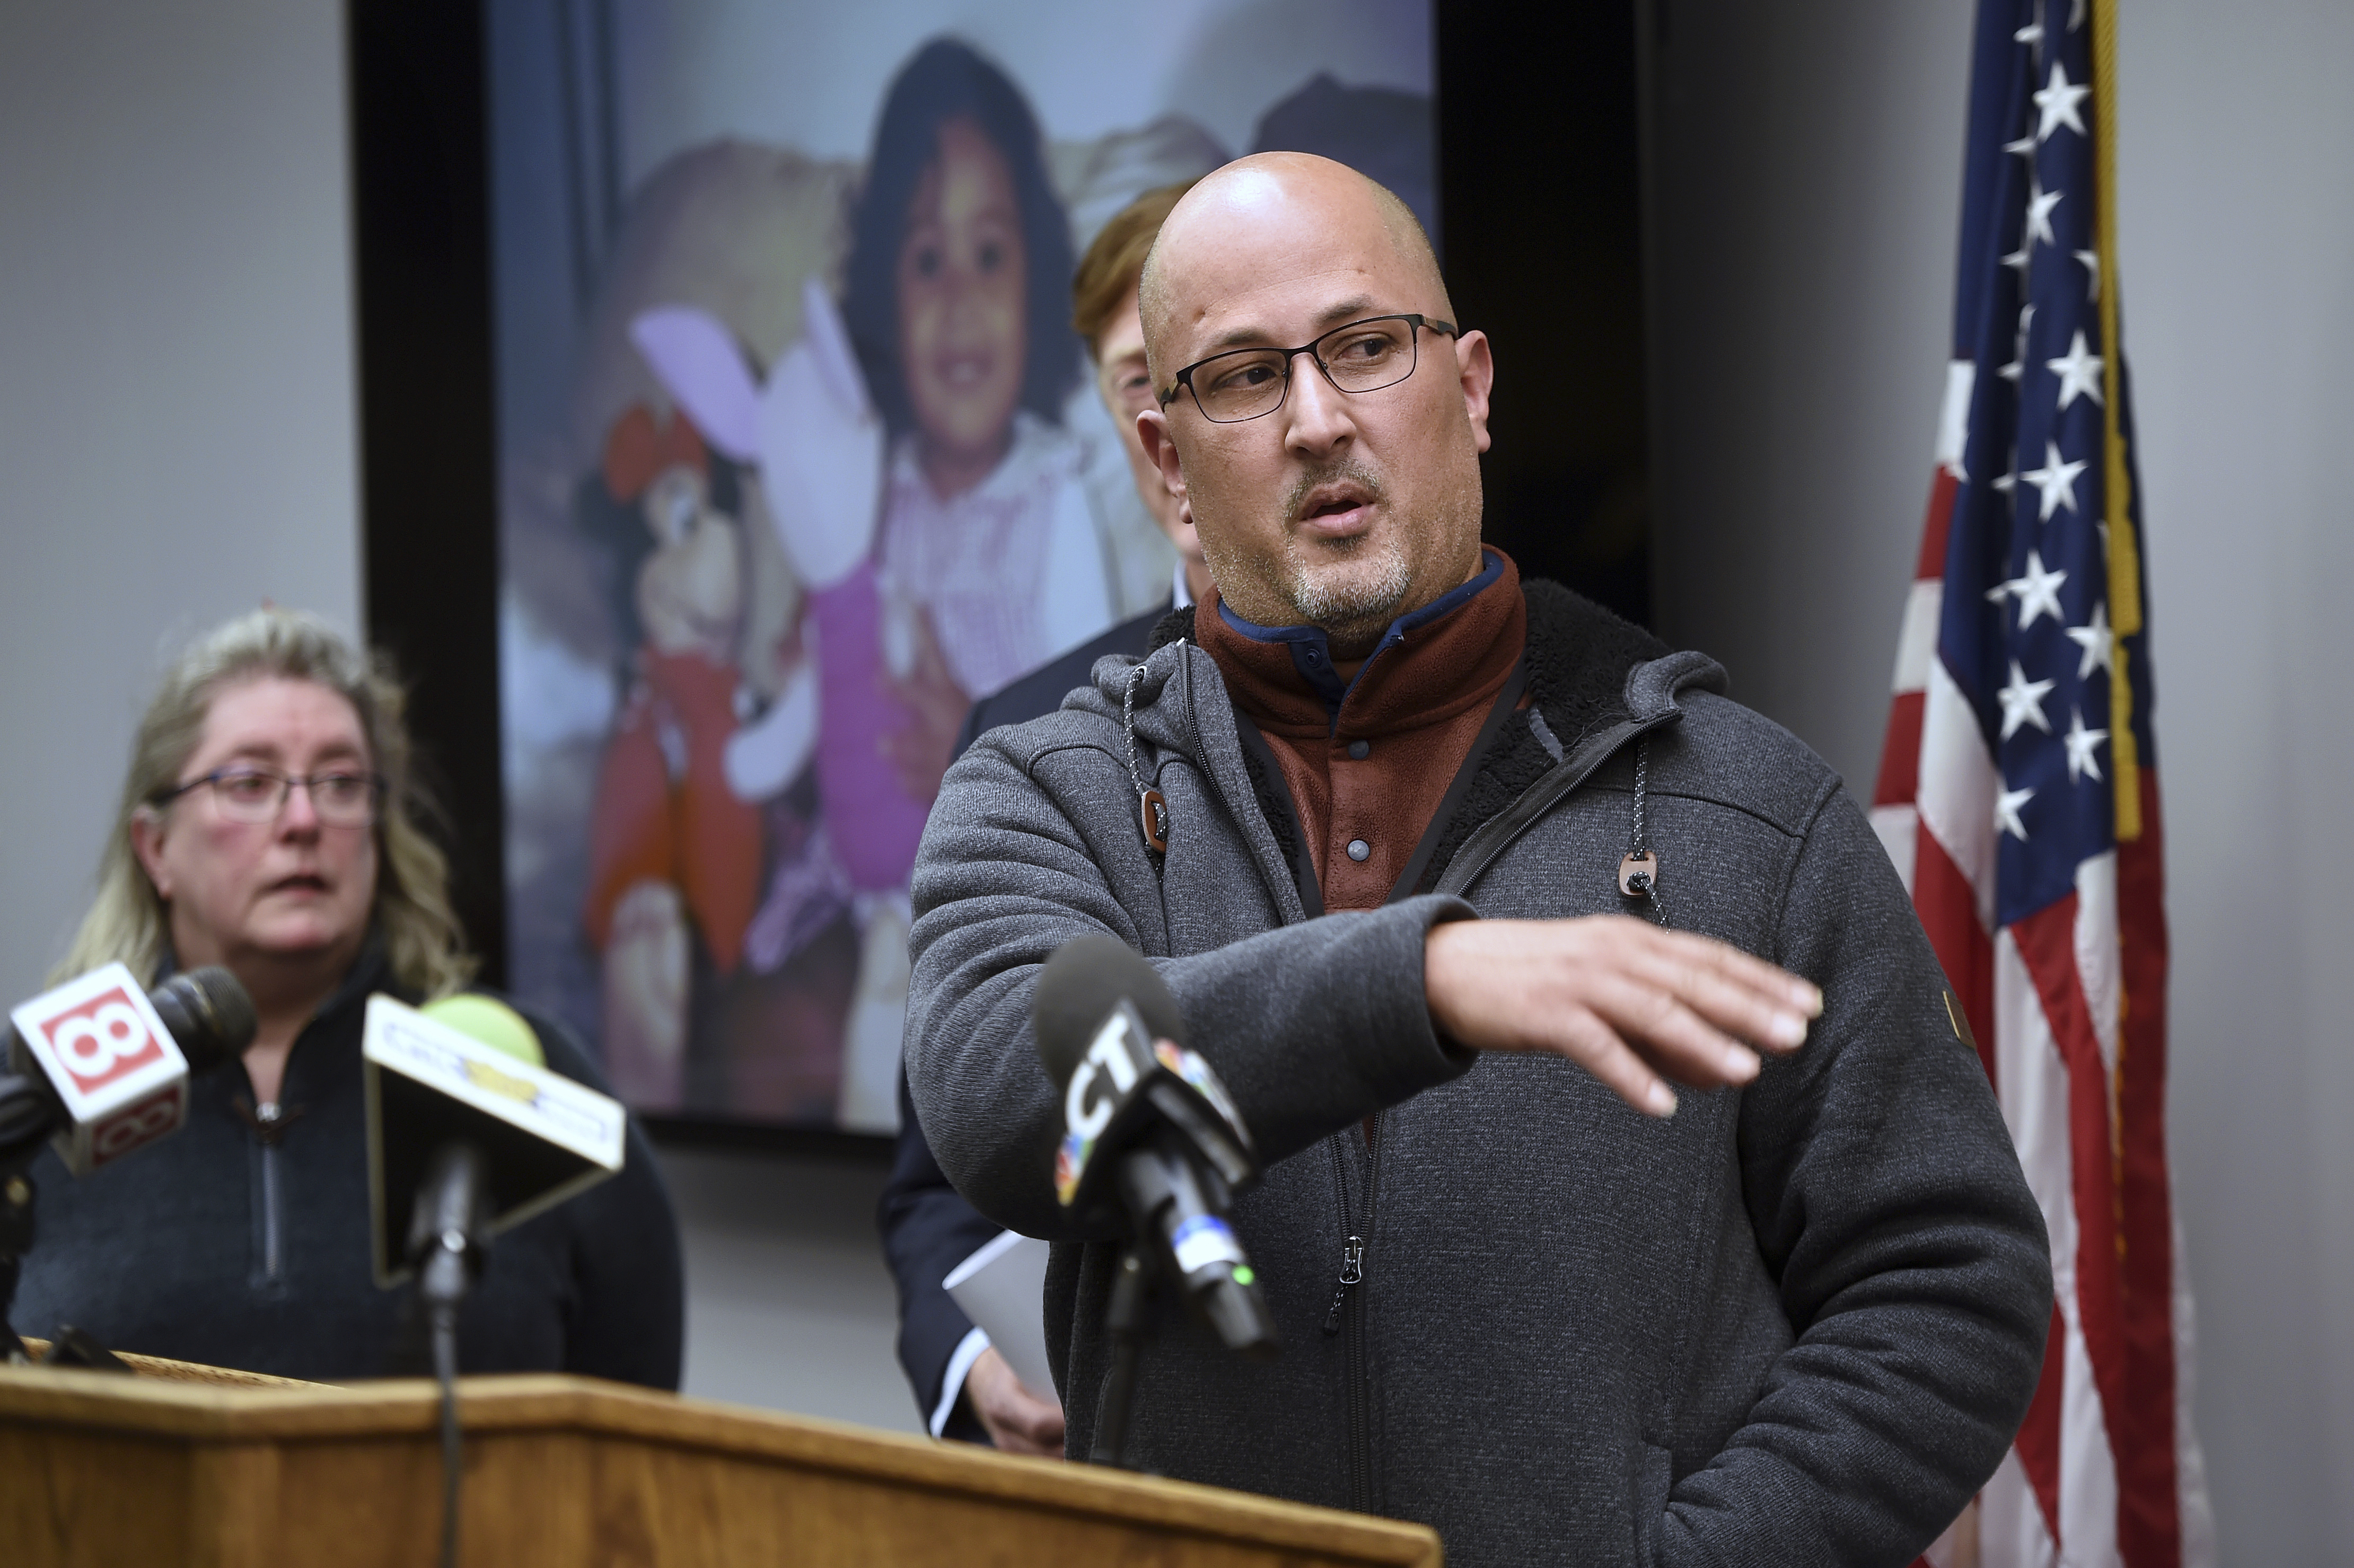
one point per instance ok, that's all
(1942, 896)
(2149, 1526)
(1932, 563)
(2047, 945)
(1900, 757)
(2038, 1435)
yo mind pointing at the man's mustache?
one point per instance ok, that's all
(1334, 472)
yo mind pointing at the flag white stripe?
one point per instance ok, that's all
(1954, 416)
(2012, 1532)
(2192, 1509)
(1957, 785)
(2088, 1466)
(2032, 1087)
(2097, 960)
(2032, 1083)
(1899, 828)
(1917, 641)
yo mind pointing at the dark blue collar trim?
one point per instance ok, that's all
(1311, 655)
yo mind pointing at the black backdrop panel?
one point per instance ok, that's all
(428, 491)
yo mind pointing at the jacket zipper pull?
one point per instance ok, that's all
(1353, 1270)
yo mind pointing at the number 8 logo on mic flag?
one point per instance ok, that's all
(102, 1040)
(117, 1073)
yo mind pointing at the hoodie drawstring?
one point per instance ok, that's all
(1151, 807)
(1639, 872)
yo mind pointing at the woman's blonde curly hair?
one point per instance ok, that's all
(128, 920)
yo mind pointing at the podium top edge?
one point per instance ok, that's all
(209, 1415)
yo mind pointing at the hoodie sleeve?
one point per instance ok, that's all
(1912, 1259)
(1313, 1026)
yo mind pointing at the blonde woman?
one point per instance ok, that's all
(270, 824)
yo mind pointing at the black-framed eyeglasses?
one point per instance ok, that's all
(1362, 357)
(246, 794)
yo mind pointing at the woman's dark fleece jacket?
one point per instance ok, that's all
(240, 1244)
(1798, 1322)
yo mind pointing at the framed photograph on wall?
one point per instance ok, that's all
(799, 454)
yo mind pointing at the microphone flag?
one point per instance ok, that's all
(543, 1137)
(119, 1076)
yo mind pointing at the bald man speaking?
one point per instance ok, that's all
(1459, 873)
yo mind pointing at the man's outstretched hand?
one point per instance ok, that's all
(1626, 1001)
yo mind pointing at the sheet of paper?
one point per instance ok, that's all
(1002, 1289)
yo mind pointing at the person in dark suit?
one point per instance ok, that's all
(962, 1386)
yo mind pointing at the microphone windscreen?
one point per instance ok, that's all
(1086, 979)
(490, 1021)
(210, 1015)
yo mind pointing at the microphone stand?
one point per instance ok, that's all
(1153, 1179)
(26, 1119)
(1129, 1323)
(15, 1241)
(449, 1235)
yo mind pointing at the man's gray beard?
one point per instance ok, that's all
(1354, 600)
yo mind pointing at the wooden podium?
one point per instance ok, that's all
(179, 1468)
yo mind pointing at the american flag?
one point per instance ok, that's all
(2018, 795)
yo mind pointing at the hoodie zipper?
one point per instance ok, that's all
(1347, 1313)
(268, 1123)
(273, 1252)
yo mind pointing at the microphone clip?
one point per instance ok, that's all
(448, 1225)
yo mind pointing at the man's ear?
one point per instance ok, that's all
(1475, 367)
(1161, 449)
(148, 827)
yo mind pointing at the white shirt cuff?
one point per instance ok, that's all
(967, 1351)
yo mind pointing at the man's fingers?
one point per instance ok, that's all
(1038, 1421)
(1012, 1439)
(1627, 1001)
(1669, 1035)
(1043, 1427)
(1597, 1047)
(1743, 995)
(1016, 1419)
(1730, 999)
(1705, 955)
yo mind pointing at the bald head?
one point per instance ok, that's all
(1340, 506)
(1285, 200)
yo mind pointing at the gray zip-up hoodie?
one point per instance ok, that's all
(1795, 1323)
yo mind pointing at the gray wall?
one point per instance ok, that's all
(176, 431)
(1806, 164)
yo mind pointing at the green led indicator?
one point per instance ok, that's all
(1243, 1274)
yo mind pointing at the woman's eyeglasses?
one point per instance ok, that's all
(246, 794)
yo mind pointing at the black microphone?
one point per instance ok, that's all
(209, 1013)
(1149, 1129)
